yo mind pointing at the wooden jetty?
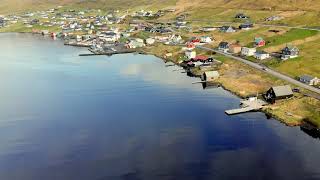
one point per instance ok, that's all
(251, 104)
(91, 54)
(240, 110)
(199, 82)
(108, 53)
(76, 44)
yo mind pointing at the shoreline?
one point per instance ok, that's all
(267, 110)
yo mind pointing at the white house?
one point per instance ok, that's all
(208, 29)
(175, 38)
(73, 25)
(161, 38)
(135, 43)
(289, 52)
(245, 51)
(205, 39)
(190, 54)
(110, 36)
(274, 18)
(150, 41)
(261, 55)
(167, 55)
(227, 29)
(79, 38)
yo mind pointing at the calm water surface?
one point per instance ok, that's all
(130, 117)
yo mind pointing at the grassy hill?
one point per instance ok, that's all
(9, 6)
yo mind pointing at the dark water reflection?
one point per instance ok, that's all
(129, 117)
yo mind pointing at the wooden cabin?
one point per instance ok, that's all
(278, 92)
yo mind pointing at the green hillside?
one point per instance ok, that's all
(9, 6)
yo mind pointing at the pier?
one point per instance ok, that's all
(77, 44)
(240, 110)
(108, 53)
(248, 105)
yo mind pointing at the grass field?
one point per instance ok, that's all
(304, 19)
(247, 37)
(20, 27)
(289, 36)
(297, 109)
(220, 14)
(307, 63)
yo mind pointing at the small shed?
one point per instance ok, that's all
(210, 75)
(278, 92)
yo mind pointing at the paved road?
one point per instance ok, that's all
(231, 22)
(285, 26)
(260, 24)
(266, 70)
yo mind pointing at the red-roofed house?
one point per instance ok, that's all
(190, 45)
(259, 42)
(200, 58)
(196, 41)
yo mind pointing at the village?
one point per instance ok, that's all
(179, 41)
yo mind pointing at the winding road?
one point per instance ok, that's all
(265, 69)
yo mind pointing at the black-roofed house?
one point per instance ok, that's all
(1, 21)
(289, 52)
(34, 21)
(277, 93)
(307, 79)
(246, 26)
(224, 46)
(227, 29)
(241, 16)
